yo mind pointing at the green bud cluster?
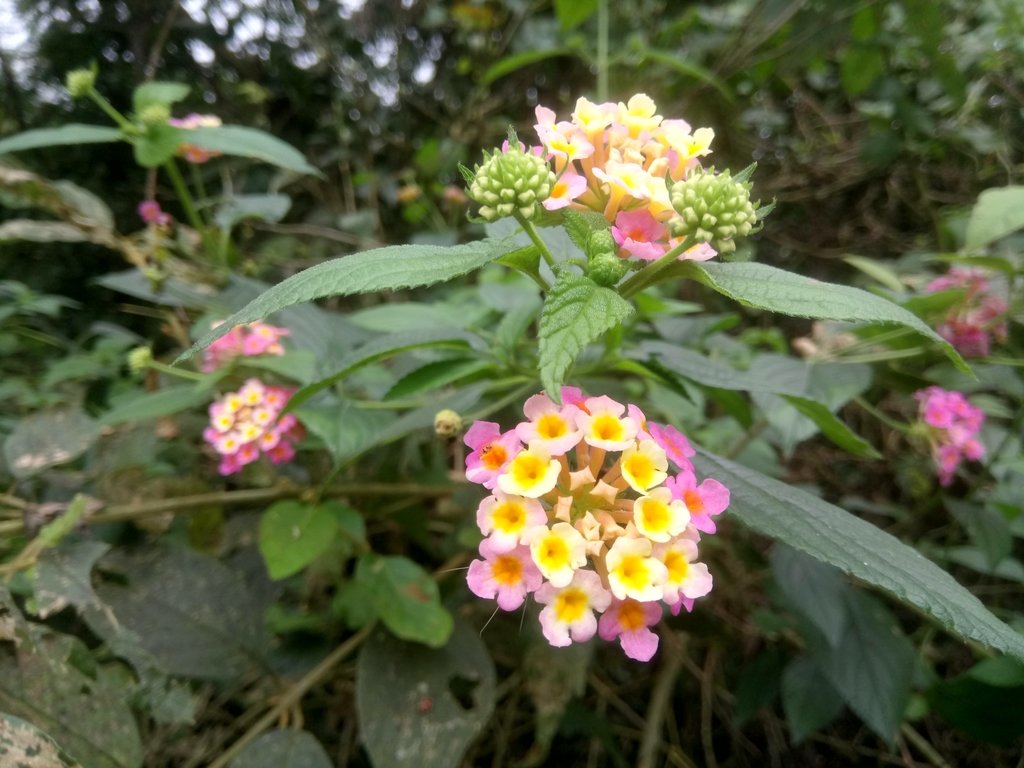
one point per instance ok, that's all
(139, 359)
(511, 182)
(80, 82)
(713, 208)
(447, 424)
(606, 269)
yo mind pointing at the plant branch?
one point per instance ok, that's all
(671, 663)
(183, 195)
(536, 239)
(648, 274)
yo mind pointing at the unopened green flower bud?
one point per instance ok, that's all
(155, 114)
(713, 208)
(447, 423)
(79, 82)
(139, 359)
(606, 269)
(510, 183)
(600, 242)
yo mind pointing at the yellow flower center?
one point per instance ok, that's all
(551, 425)
(607, 427)
(553, 553)
(640, 467)
(656, 515)
(508, 516)
(507, 570)
(677, 566)
(559, 190)
(527, 469)
(632, 571)
(570, 605)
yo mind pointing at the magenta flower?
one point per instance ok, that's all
(492, 451)
(628, 620)
(244, 341)
(704, 501)
(151, 213)
(953, 427)
(507, 576)
(971, 324)
(639, 234)
(674, 443)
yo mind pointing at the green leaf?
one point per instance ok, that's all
(72, 133)
(808, 699)
(860, 68)
(776, 290)
(152, 405)
(158, 145)
(378, 349)
(294, 534)
(419, 706)
(436, 375)
(238, 208)
(158, 92)
(381, 269)
(872, 667)
(876, 270)
(758, 684)
(832, 428)
(998, 213)
(859, 549)
(240, 141)
(709, 372)
(22, 745)
(815, 589)
(579, 225)
(577, 311)
(405, 598)
(89, 716)
(48, 439)
(984, 711)
(510, 64)
(346, 430)
(572, 13)
(687, 68)
(398, 316)
(187, 613)
(63, 576)
(283, 748)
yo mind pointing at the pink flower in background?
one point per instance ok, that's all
(952, 425)
(247, 424)
(972, 323)
(244, 341)
(151, 213)
(190, 152)
(585, 498)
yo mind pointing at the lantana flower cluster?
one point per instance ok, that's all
(594, 511)
(972, 323)
(614, 158)
(952, 425)
(244, 341)
(151, 213)
(190, 152)
(247, 424)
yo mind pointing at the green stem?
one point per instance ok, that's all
(197, 182)
(535, 238)
(647, 275)
(122, 122)
(602, 50)
(181, 373)
(891, 423)
(183, 195)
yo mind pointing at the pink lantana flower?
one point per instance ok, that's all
(604, 426)
(569, 613)
(687, 579)
(151, 213)
(704, 501)
(952, 428)
(639, 234)
(698, 252)
(492, 451)
(673, 442)
(243, 341)
(507, 576)
(628, 620)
